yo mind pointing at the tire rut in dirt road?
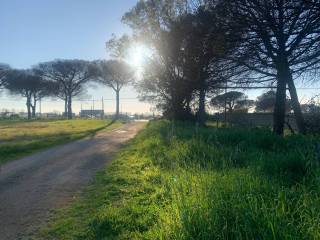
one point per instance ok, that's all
(30, 188)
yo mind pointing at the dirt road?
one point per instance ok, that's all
(30, 188)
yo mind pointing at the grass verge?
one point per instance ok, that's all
(21, 138)
(177, 181)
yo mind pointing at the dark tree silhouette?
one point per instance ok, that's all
(29, 85)
(4, 69)
(266, 102)
(115, 74)
(70, 76)
(181, 70)
(118, 46)
(164, 80)
(232, 101)
(279, 40)
(168, 90)
(201, 60)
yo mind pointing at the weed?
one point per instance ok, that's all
(184, 182)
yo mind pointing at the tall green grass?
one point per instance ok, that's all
(178, 181)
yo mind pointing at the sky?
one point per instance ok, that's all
(33, 31)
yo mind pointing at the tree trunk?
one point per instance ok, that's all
(231, 107)
(29, 107)
(202, 107)
(117, 103)
(69, 107)
(280, 104)
(34, 107)
(66, 106)
(296, 106)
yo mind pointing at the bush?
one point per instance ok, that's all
(312, 121)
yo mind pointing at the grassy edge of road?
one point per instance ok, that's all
(15, 149)
(177, 181)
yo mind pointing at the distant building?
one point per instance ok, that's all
(52, 115)
(92, 113)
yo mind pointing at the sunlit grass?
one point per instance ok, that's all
(21, 138)
(179, 181)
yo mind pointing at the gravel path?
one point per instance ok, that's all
(30, 188)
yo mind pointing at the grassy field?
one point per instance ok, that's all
(21, 138)
(177, 181)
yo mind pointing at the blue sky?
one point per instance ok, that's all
(32, 31)
(41, 30)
